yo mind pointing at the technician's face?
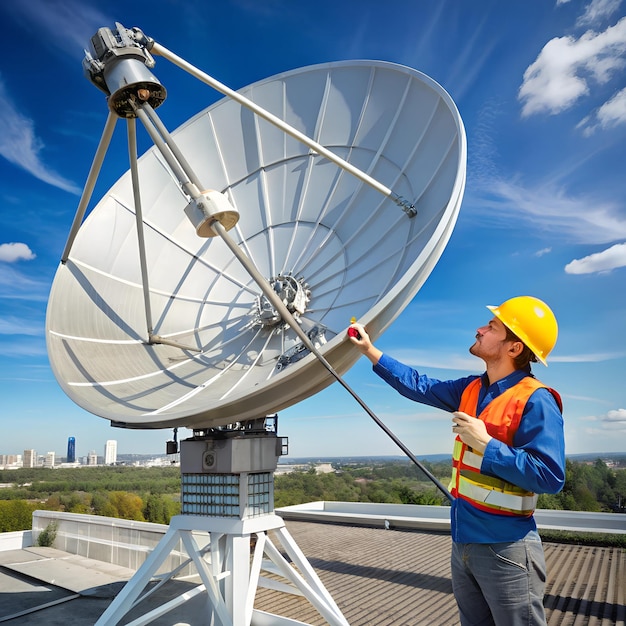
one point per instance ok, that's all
(490, 340)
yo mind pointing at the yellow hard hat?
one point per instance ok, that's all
(532, 321)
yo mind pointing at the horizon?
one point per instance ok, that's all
(322, 457)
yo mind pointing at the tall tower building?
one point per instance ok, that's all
(110, 452)
(30, 458)
(71, 450)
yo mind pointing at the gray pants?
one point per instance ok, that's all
(500, 584)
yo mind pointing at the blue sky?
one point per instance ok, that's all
(541, 88)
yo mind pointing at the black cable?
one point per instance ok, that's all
(382, 425)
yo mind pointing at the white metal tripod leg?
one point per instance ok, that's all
(316, 592)
(96, 165)
(148, 618)
(297, 556)
(255, 571)
(125, 598)
(217, 601)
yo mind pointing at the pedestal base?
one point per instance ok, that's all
(230, 572)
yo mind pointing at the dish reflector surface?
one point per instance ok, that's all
(331, 245)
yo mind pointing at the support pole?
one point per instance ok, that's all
(94, 172)
(156, 48)
(134, 171)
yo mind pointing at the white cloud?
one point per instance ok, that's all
(17, 326)
(550, 210)
(485, 156)
(543, 252)
(598, 357)
(16, 285)
(20, 145)
(593, 399)
(566, 66)
(24, 347)
(604, 261)
(64, 24)
(597, 10)
(618, 415)
(614, 421)
(612, 113)
(11, 252)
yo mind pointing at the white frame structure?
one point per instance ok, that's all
(229, 578)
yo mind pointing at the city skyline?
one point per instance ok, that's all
(109, 448)
(541, 89)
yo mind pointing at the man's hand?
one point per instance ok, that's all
(471, 430)
(362, 341)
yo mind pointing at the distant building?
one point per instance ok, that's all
(10, 461)
(287, 468)
(49, 460)
(30, 458)
(92, 459)
(71, 450)
(110, 452)
(324, 468)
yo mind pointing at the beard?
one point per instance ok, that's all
(474, 349)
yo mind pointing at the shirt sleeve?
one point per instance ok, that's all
(536, 460)
(407, 381)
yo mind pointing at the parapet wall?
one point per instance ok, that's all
(122, 542)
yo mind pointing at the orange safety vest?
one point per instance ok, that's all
(502, 417)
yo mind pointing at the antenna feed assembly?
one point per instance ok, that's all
(120, 64)
(208, 207)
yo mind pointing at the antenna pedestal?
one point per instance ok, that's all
(227, 500)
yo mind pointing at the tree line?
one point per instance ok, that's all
(153, 494)
(143, 494)
(588, 486)
(30, 483)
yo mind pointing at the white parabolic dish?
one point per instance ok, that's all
(300, 215)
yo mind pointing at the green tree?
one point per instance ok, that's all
(157, 509)
(126, 505)
(16, 515)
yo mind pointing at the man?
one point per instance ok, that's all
(501, 461)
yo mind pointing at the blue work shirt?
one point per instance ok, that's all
(535, 461)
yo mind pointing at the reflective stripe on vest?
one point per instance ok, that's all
(502, 417)
(502, 501)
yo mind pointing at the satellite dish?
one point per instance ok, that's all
(331, 247)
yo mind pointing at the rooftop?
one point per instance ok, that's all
(377, 576)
